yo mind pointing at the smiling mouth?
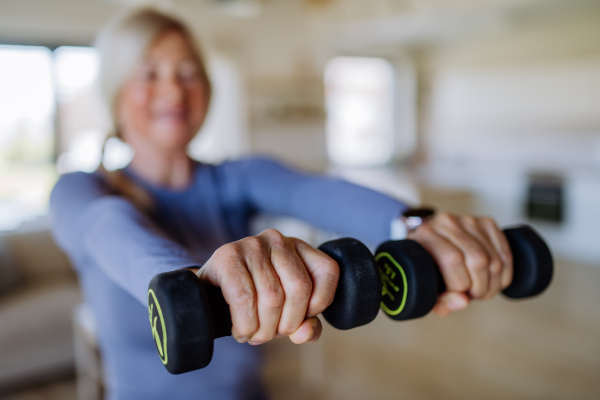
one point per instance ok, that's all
(171, 116)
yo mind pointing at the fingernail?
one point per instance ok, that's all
(253, 343)
(241, 340)
(315, 334)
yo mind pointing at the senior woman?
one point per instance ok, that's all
(165, 211)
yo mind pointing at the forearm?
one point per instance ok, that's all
(95, 227)
(129, 247)
(331, 204)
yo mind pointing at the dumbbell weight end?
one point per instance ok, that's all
(179, 306)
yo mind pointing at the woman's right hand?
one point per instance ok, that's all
(275, 286)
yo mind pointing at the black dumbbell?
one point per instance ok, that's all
(412, 281)
(186, 315)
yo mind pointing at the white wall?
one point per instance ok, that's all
(520, 101)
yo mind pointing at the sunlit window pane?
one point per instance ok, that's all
(26, 133)
(360, 119)
(80, 117)
(76, 70)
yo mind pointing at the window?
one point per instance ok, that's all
(81, 120)
(26, 133)
(359, 95)
(43, 92)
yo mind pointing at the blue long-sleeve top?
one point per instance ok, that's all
(117, 249)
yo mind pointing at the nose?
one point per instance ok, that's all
(171, 91)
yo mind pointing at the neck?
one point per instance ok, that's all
(173, 170)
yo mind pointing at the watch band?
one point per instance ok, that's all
(410, 220)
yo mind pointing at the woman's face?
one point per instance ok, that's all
(164, 103)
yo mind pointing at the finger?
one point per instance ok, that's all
(324, 273)
(447, 256)
(495, 286)
(450, 302)
(496, 266)
(227, 269)
(269, 291)
(309, 331)
(501, 245)
(475, 255)
(296, 283)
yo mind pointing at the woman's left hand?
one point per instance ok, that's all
(473, 256)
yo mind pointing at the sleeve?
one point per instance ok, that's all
(91, 223)
(332, 204)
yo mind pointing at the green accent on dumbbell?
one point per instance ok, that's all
(390, 284)
(161, 345)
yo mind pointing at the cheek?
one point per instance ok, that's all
(135, 109)
(198, 104)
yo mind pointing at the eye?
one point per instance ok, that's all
(146, 73)
(188, 71)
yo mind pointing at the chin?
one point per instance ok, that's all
(173, 139)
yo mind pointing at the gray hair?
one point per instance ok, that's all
(122, 45)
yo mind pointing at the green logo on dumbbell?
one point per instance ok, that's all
(159, 330)
(394, 291)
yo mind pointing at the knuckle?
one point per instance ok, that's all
(461, 285)
(319, 304)
(287, 330)
(253, 243)
(495, 266)
(477, 295)
(300, 287)
(262, 336)
(452, 258)
(228, 250)
(246, 330)
(447, 218)
(274, 236)
(480, 261)
(468, 220)
(244, 297)
(424, 230)
(487, 221)
(272, 297)
(329, 268)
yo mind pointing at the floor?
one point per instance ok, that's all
(64, 390)
(547, 348)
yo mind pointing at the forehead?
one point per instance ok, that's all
(170, 44)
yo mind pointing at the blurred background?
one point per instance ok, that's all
(472, 106)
